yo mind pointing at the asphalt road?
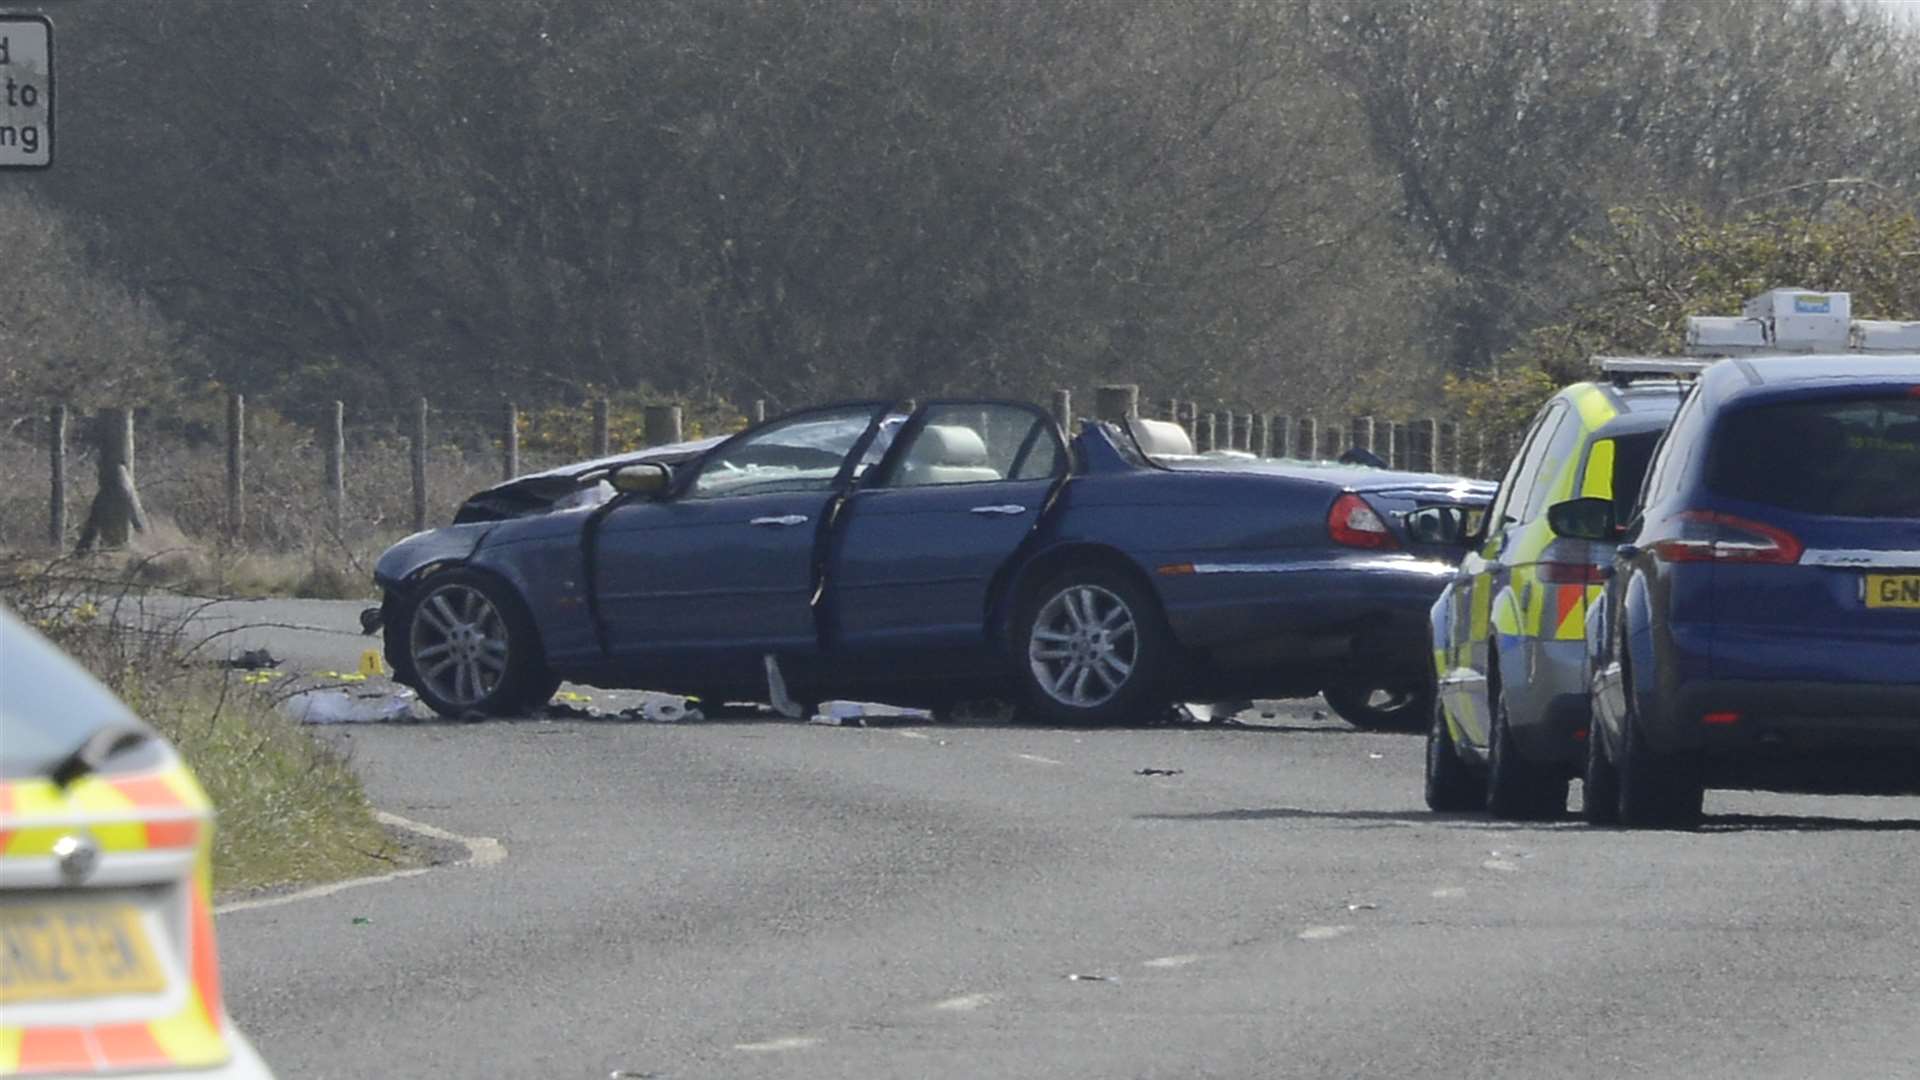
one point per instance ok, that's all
(755, 898)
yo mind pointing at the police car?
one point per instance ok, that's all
(107, 959)
(1508, 638)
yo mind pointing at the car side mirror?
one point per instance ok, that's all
(1584, 519)
(647, 478)
(1440, 525)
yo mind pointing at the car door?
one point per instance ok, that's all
(920, 541)
(727, 562)
(1483, 573)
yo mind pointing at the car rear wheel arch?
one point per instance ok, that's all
(1017, 584)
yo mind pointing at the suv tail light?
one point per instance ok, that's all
(1355, 524)
(1707, 536)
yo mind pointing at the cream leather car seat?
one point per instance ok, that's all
(947, 454)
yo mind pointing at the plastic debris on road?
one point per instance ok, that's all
(1090, 978)
(1151, 771)
(665, 711)
(335, 706)
(860, 713)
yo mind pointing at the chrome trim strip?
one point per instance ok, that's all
(1861, 558)
(1401, 565)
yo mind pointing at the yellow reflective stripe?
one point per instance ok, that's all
(189, 1038)
(10, 1050)
(1598, 483)
(1595, 407)
(1507, 615)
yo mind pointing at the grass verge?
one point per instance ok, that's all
(290, 810)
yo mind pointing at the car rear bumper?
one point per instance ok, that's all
(1802, 736)
(1227, 603)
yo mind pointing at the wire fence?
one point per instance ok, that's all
(330, 479)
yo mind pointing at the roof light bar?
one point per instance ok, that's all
(1621, 370)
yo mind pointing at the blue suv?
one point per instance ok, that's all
(1760, 626)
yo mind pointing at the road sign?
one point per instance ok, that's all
(26, 92)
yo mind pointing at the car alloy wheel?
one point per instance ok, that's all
(459, 644)
(1083, 646)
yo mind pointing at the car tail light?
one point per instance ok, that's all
(1706, 536)
(1571, 573)
(1355, 524)
(1721, 719)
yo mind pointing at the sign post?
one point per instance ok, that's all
(26, 92)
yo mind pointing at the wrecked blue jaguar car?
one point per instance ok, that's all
(933, 554)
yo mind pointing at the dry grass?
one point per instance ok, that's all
(290, 545)
(290, 809)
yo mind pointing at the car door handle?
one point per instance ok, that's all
(781, 522)
(1003, 509)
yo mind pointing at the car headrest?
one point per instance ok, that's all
(948, 444)
(1161, 438)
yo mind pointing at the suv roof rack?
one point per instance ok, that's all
(1622, 370)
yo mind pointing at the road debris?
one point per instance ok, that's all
(252, 660)
(1151, 771)
(1363, 905)
(667, 710)
(1076, 977)
(864, 713)
(339, 706)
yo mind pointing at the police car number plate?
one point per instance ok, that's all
(1893, 591)
(81, 950)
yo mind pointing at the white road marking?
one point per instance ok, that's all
(1171, 961)
(482, 851)
(1449, 892)
(964, 1002)
(913, 735)
(1037, 759)
(1324, 933)
(791, 1042)
(1503, 865)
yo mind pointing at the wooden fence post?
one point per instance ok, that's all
(1261, 447)
(510, 442)
(1447, 455)
(759, 410)
(1309, 438)
(1173, 410)
(1360, 433)
(1280, 435)
(337, 467)
(57, 461)
(236, 467)
(1243, 432)
(116, 513)
(602, 434)
(1426, 443)
(1205, 434)
(663, 425)
(1116, 403)
(420, 465)
(1063, 410)
(1189, 418)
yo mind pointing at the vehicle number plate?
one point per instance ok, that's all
(1893, 591)
(80, 950)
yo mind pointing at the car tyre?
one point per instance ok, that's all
(1407, 708)
(1451, 787)
(467, 644)
(1090, 647)
(1656, 791)
(1517, 789)
(1600, 785)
